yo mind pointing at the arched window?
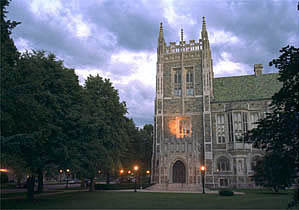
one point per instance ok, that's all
(223, 164)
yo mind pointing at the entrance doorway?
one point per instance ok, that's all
(179, 172)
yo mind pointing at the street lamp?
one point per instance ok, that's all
(121, 175)
(203, 170)
(135, 169)
(60, 173)
(67, 177)
(4, 170)
(148, 172)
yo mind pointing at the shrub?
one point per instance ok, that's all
(226, 192)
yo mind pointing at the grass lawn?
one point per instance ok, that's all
(253, 199)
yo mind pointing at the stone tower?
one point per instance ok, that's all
(182, 127)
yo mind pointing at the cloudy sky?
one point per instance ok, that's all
(117, 39)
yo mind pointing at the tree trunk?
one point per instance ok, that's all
(108, 178)
(275, 189)
(30, 187)
(83, 185)
(91, 186)
(40, 187)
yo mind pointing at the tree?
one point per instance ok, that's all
(139, 150)
(277, 133)
(102, 121)
(275, 171)
(40, 113)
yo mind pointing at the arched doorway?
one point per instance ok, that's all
(179, 172)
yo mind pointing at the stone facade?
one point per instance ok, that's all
(200, 120)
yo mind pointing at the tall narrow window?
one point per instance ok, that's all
(230, 128)
(220, 132)
(254, 117)
(189, 83)
(245, 124)
(237, 118)
(177, 83)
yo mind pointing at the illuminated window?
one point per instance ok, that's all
(180, 127)
(184, 128)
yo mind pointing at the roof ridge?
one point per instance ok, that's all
(247, 75)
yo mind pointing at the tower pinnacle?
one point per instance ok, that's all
(182, 35)
(204, 27)
(161, 32)
(204, 33)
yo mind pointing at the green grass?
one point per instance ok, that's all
(8, 186)
(129, 200)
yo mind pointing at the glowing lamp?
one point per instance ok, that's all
(136, 168)
(121, 171)
(3, 170)
(148, 172)
(202, 168)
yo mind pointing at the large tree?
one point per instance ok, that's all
(103, 134)
(40, 113)
(277, 133)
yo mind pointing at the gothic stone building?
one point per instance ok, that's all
(200, 120)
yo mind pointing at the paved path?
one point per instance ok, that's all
(128, 190)
(145, 190)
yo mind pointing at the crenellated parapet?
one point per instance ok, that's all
(182, 46)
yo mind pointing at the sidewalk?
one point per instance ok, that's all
(163, 191)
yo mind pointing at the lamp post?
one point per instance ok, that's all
(136, 170)
(121, 175)
(67, 177)
(148, 172)
(60, 173)
(203, 170)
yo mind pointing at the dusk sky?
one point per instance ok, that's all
(118, 39)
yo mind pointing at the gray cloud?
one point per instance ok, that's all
(140, 101)
(263, 28)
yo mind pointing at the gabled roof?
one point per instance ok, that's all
(249, 87)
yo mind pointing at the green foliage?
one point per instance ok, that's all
(274, 170)
(102, 124)
(277, 133)
(226, 192)
(50, 122)
(139, 150)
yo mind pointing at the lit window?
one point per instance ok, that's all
(180, 127)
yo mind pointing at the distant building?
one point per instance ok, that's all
(200, 120)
